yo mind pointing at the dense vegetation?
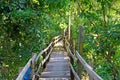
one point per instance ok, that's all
(27, 26)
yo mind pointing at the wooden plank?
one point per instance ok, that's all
(35, 58)
(57, 62)
(56, 74)
(88, 68)
(57, 67)
(54, 79)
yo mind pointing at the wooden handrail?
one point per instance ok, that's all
(68, 49)
(24, 70)
(75, 74)
(43, 51)
(45, 59)
(88, 68)
(54, 40)
(56, 37)
(71, 54)
(32, 61)
(67, 42)
(67, 45)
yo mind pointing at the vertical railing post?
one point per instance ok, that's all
(80, 49)
(63, 37)
(44, 55)
(48, 53)
(64, 40)
(33, 64)
(71, 60)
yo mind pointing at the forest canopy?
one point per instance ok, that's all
(28, 26)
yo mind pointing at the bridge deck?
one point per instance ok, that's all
(58, 65)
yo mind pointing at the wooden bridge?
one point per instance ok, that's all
(56, 63)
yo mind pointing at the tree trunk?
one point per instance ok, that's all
(69, 29)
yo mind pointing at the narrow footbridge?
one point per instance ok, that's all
(55, 62)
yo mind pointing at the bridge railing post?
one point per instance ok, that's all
(71, 59)
(33, 64)
(63, 37)
(44, 55)
(47, 54)
(80, 49)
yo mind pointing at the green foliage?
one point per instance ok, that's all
(57, 4)
(101, 35)
(25, 27)
(28, 26)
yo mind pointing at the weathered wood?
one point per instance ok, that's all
(56, 74)
(72, 57)
(43, 56)
(67, 43)
(33, 63)
(54, 79)
(43, 51)
(55, 39)
(35, 77)
(88, 68)
(71, 54)
(46, 58)
(75, 74)
(80, 49)
(24, 70)
(57, 67)
(43, 61)
(40, 65)
(58, 39)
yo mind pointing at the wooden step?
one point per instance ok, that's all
(54, 79)
(56, 74)
(57, 67)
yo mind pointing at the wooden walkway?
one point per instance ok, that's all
(57, 62)
(58, 65)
